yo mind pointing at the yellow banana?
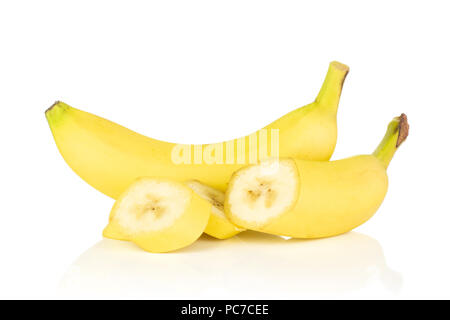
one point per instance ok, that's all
(110, 157)
(313, 199)
(159, 215)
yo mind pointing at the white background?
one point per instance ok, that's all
(206, 71)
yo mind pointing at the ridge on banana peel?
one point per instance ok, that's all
(313, 199)
(110, 157)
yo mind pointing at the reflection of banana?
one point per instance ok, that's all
(211, 269)
(313, 199)
(110, 157)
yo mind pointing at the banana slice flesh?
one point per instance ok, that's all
(261, 193)
(151, 205)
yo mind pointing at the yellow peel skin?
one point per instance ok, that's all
(181, 232)
(221, 228)
(333, 197)
(110, 157)
(112, 231)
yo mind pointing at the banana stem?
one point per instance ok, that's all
(396, 133)
(330, 92)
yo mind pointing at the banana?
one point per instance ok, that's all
(110, 157)
(158, 215)
(313, 199)
(218, 224)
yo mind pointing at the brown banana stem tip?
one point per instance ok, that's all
(344, 68)
(403, 129)
(51, 107)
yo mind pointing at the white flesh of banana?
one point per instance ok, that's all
(262, 192)
(151, 206)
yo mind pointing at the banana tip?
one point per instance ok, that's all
(52, 106)
(403, 129)
(340, 66)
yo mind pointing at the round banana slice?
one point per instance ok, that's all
(258, 194)
(218, 225)
(158, 215)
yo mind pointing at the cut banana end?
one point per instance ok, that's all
(258, 194)
(112, 231)
(158, 215)
(218, 225)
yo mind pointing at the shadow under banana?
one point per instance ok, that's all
(250, 265)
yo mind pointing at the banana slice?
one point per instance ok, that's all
(258, 194)
(158, 215)
(218, 225)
